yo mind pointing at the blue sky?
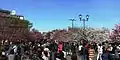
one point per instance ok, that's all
(55, 14)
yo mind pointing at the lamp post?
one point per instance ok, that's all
(84, 20)
(87, 17)
(72, 22)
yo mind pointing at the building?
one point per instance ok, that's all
(11, 27)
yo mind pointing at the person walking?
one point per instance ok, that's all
(11, 56)
(79, 48)
(45, 55)
(60, 46)
(3, 57)
(105, 55)
(91, 53)
(74, 56)
(100, 51)
(84, 53)
(116, 53)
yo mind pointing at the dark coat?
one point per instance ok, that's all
(74, 57)
(105, 56)
(3, 57)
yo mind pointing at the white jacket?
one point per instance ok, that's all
(100, 49)
(45, 58)
(80, 47)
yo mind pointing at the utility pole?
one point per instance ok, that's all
(72, 22)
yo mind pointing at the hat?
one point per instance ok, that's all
(3, 53)
(119, 45)
(39, 45)
(46, 49)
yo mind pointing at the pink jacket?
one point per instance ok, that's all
(60, 46)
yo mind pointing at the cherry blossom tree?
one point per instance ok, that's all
(115, 34)
(14, 29)
(34, 35)
(76, 34)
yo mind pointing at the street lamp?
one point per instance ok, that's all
(72, 22)
(80, 17)
(87, 17)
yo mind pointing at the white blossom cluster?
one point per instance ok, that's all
(91, 34)
(76, 34)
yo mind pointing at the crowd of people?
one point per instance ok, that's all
(58, 50)
(100, 51)
(34, 50)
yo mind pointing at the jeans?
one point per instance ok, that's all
(84, 57)
(53, 57)
(99, 56)
(112, 57)
(116, 58)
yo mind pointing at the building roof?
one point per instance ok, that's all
(5, 11)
